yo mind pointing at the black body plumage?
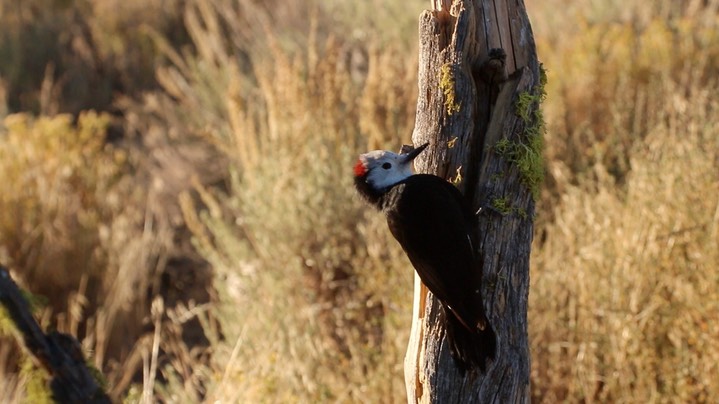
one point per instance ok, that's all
(433, 223)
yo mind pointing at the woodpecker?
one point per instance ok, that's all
(433, 223)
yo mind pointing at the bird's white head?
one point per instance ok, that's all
(381, 169)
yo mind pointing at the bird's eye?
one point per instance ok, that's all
(386, 166)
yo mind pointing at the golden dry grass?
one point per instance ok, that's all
(624, 286)
(247, 133)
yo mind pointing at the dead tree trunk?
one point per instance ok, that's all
(480, 87)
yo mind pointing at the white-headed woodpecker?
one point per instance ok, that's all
(433, 223)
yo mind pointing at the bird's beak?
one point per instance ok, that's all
(409, 156)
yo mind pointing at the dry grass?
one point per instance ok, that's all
(69, 220)
(291, 232)
(625, 284)
(624, 279)
(244, 140)
(68, 56)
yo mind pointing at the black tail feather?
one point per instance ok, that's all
(471, 349)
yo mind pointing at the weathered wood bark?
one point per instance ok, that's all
(468, 96)
(60, 354)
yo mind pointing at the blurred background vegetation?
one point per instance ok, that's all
(176, 192)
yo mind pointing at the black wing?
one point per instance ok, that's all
(431, 219)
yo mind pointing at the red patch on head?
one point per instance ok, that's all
(360, 169)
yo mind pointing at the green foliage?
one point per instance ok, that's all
(36, 303)
(526, 151)
(133, 395)
(37, 382)
(504, 207)
(528, 159)
(6, 323)
(37, 390)
(96, 374)
(446, 84)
